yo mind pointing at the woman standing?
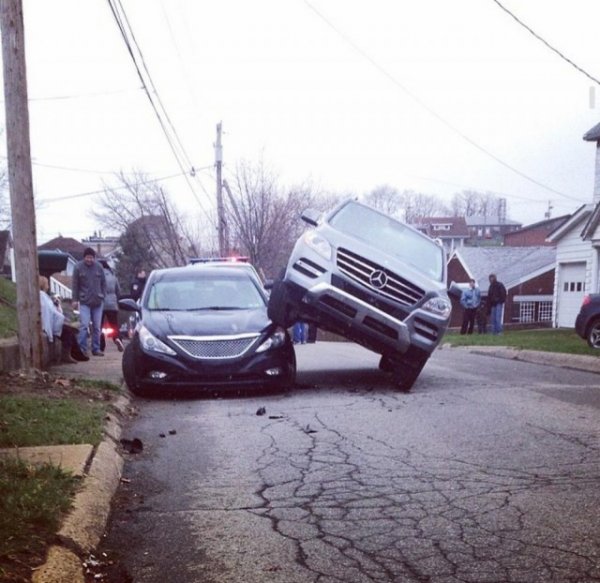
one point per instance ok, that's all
(111, 305)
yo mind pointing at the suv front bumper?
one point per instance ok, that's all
(362, 322)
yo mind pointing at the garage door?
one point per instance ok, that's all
(570, 293)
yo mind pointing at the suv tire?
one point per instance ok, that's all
(408, 367)
(280, 310)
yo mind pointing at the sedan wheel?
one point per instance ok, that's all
(593, 337)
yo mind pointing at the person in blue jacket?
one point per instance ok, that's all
(470, 300)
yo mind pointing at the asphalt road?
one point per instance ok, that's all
(488, 471)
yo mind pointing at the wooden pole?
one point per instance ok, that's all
(21, 184)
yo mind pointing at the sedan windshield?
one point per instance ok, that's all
(204, 292)
(392, 237)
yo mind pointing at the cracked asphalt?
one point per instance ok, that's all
(488, 471)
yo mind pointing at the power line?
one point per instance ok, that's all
(544, 42)
(174, 143)
(430, 110)
(90, 193)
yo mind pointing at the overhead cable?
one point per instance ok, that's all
(545, 42)
(430, 110)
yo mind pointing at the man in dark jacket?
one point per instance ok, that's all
(89, 289)
(495, 301)
(138, 284)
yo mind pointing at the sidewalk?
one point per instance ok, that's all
(100, 468)
(557, 359)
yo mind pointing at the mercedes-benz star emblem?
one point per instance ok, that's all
(378, 279)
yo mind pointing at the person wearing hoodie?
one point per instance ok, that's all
(111, 304)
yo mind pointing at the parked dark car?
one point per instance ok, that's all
(587, 324)
(371, 278)
(205, 327)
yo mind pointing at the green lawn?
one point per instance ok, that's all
(546, 339)
(8, 312)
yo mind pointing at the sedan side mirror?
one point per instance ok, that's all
(129, 305)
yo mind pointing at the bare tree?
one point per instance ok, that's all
(418, 205)
(386, 199)
(153, 230)
(472, 202)
(263, 218)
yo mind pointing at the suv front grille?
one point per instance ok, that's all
(393, 286)
(215, 347)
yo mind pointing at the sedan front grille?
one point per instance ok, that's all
(215, 347)
(366, 272)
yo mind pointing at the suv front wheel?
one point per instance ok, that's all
(405, 368)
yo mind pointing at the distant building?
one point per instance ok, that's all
(452, 231)
(489, 229)
(534, 234)
(103, 246)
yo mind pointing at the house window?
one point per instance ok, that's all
(529, 309)
(545, 312)
(527, 312)
(573, 286)
(441, 227)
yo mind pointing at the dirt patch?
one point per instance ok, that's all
(54, 386)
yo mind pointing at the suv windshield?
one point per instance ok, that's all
(390, 236)
(204, 292)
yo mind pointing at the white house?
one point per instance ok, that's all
(578, 252)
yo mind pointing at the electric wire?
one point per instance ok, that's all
(176, 146)
(545, 42)
(102, 191)
(430, 110)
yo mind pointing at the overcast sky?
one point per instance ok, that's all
(433, 95)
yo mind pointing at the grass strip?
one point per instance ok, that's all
(33, 500)
(547, 340)
(29, 421)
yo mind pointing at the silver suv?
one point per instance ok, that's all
(372, 279)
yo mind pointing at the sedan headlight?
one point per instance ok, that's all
(276, 340)
(152, 343)
(438, 306)
(318, 244)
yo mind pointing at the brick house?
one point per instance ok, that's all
(535, 234)
(577, 243)
(526, 272)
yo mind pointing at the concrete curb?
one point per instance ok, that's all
(558, 359)
(84, 526)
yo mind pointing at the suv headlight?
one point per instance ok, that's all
(274, 341)
(318, 244)
(438, 306)
(152, 343)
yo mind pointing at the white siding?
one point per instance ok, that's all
(571, 249)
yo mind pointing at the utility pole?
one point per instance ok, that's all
(21, 184)
(221, 222)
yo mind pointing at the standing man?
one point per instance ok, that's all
(89, 289)
(469, 300)
(495, 301)
(138, 284)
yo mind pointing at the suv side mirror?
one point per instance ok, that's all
(454, 291)
(311, 216)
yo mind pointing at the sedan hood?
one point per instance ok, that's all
(206, 322)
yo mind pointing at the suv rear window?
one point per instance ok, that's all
(392, 237)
